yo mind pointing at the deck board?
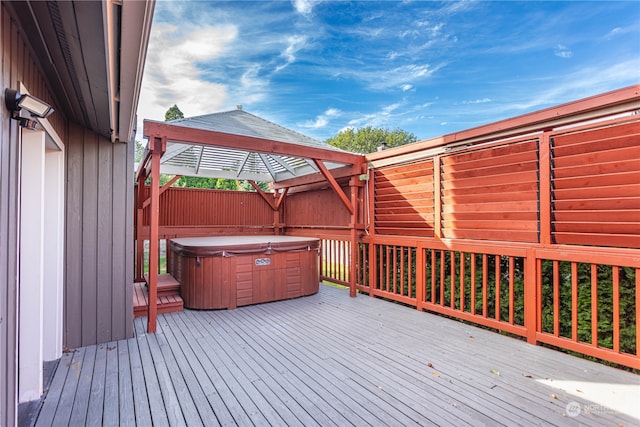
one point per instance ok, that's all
(324, 360)
(96, 397)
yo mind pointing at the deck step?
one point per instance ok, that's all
(168, 302)
(167, 285)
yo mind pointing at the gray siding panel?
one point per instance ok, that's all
(73, 239)
(88, 257)
(122, 321)
(104, 247)
(99, 301)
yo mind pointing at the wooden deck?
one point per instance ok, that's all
(328, 360)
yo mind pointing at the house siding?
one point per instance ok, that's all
(99, 245)
(17, 65)
(98, 259)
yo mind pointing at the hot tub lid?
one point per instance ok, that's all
(238, 245)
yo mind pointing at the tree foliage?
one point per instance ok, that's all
(368, 139)
(173, 113)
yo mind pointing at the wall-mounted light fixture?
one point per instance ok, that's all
(36, 108)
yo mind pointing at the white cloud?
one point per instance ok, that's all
(401, 77)
(380, 118)
(611, 34)
(562, 51)
(406, 87)
(172, 75)
(294, 44)
(477, 101)
(304, 7)
(619, 31)
(322, 120)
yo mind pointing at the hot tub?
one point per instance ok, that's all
(231, 271)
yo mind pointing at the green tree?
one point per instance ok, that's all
(368, 139)
(139, 151)
(173, 113)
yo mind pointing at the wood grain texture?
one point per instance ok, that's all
(328, 360)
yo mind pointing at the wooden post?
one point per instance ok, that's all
(545, 189)
(157, 148)
(530, 295)
(373, 268)
(420, 276)
(139, 273)
(354, 184)
(277, 216)
(437, 198)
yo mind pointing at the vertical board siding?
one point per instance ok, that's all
(17, 66)
(596, 187)
(99, 264)
(491, 193)
(404, 199)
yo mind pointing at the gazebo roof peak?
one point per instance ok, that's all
(241, 122)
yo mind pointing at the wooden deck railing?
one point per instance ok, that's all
(335, 260)
(529, 292)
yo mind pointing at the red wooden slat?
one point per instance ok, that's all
(602, 155)
(606, 240)
(501, 167)
(604, 133)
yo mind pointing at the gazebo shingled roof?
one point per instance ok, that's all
(249, 162)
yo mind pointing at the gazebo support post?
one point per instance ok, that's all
(157, 146)
(275, 202)
(354, 185)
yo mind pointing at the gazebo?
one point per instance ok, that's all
(239, 145)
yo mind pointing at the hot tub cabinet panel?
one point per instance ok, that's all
(228, 272)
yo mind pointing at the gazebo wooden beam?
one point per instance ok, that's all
(334, 184)
(281, 197)
(314, 178)
(187, 135)
(265, 196)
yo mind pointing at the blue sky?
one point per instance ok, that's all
(428, 67)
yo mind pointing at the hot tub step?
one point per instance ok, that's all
(167, 302)
(167, 285)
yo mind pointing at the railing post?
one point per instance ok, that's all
(420, 278)
(437, 197)
(545, 189)
(531, 295)
(354, 185)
